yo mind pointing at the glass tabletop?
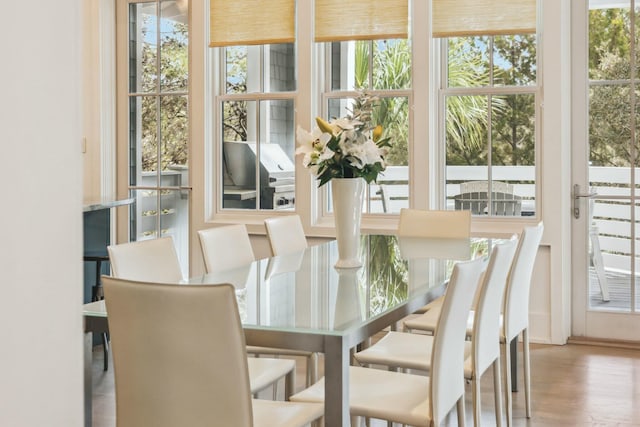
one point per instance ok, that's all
(303, 291)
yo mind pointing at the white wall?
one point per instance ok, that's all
(41, 375)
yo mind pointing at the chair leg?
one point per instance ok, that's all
(460, 411)
(312, 369)
(507, 383)
(289, 384)
(527, 371)
(105, 351)
(475, 386)
(497, 391)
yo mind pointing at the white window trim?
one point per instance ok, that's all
(308, 101)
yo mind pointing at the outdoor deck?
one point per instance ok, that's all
(619, 291)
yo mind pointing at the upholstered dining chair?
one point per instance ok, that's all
(228, 247)
(286, 234)
(418, 400)
(515, 313)
(146, 260)
(225, 247)
(157, 261)
(436, 224)
(180, 359)
(412, 351)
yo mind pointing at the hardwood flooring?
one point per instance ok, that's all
(572, 385)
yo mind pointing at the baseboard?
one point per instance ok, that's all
(602, 342)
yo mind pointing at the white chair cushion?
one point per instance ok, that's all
(264, 371)
(268, 413)
(374, 393)
(411, 351)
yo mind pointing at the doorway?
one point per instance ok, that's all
(605, 169)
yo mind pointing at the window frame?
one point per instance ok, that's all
(487, 91)
(309, 98)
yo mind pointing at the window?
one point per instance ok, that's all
(462, 121)
(257, 127)
(382, 68)
(154, 125)
(488, 96)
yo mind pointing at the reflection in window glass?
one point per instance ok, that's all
(255, 69)
(143, 41)
(258, 134)
(258, 154)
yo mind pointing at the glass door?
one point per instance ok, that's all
(154, 118)
(606, 174)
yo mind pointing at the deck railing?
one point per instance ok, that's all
(611, 210)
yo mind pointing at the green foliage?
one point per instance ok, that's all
(172, 110)
(391, 70)
(608, 37)
(466, 116)
(362, 65)
(512, 116)
(610, 105)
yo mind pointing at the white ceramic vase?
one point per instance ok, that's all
(348, 196)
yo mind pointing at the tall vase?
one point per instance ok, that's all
(348, 196)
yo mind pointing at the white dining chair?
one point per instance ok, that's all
(412, 351)
(157, 261)
(434, 224)
(228, 247)
(418, 400)
(286, 234)
(146, 260)
(516, 312)
(180, 359)
(225, 247)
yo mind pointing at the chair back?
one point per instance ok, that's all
(225, 247)
(435, 224)
(486, 325)
(516, 301)
(447, 357)
(179, 355)
(146, 260)
(286, 234)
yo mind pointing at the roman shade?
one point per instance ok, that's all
(340, 20)
(251, 22)
(457, 18)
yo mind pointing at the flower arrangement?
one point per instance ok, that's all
(346, 147)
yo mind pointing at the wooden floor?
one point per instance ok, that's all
(572, 385)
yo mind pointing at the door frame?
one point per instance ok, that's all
(594, 324)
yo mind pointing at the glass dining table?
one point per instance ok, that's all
(301, 301)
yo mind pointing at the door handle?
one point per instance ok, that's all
(576, 199)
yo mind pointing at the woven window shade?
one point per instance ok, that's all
(251, 22)
(340, 20)
(455, 18)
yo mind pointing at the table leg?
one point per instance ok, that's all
(336, 383)
(514, 364)
(88, 378)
